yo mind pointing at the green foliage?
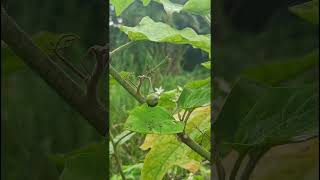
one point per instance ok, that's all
(149, 30)
(167, 151)
(274, 73)
(195, 94)
(121, 5)
(200, 7)
(267, 116)
(152, 120)
(86, 165)
(207, 64)
(308, 11)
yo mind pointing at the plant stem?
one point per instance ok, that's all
(194, 146)
(220, 169)
(125, 84)
(120, 48)
(115, 154)
(236, 166)
(254, 157)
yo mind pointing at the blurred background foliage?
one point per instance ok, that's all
(35, 122)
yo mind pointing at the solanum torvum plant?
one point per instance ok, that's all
(177, 121)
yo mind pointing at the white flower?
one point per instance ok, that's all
(120, 20)
(159, 90)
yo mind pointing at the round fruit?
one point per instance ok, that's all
(152, 99)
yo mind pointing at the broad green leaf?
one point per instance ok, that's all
(257, 115)
(168, 99)
(146, 2)
(86, 163)
(149, 30)
(207, 64)
(195, 94)
(121, 5)
(274, 73)
(167, 151)
(308, 11)
(200, 7)
(152, 120)
(198, 83)
(170, 7)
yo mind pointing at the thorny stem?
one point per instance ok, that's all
(115, 154)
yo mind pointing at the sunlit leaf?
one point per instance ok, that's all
(152, 120)
(146, 2)
(167, 151)
(195, 94)
(200, 7)
(121, 5)
(207, 64)
(149, 30)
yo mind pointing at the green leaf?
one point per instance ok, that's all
(200, 7)
(170, 7)
(308, 11)
(168, 99)
(146, 2)
(167, 151)
(149, 30)
(207, 64)
(121, 5)
(195, 94)
(257, 115)
(274, 73)
(152, 120)
(86, 163)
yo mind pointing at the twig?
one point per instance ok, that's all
(220, 169)
(254, 158)
(237, 165)
(115, 154)
(125, 84)
(113, 52)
